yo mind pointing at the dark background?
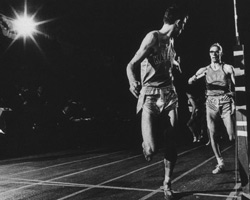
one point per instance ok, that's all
(84, 56)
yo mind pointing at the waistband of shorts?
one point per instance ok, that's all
(229, 94)
(157, 90)
(221, 98)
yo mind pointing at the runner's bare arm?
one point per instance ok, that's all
(230, 70)
(144, 50)
(200, 73)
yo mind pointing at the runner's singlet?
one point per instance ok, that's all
(216, 82)
(156, 70)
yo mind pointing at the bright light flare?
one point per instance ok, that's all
(25, 26)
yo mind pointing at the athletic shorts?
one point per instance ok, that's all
(155, 104)
(217, 108)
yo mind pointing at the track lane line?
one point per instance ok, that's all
(75, 185)
(234, 193)
(108, 181)
(48, 155)
(67, 175)
(61, 164)
(184, 174)
(48, 181)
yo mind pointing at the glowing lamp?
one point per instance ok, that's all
(25, 26)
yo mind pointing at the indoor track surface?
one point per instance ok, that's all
(117, 174)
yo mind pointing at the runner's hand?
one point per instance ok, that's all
(135, 88)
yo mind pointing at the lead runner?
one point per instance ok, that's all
(157, 97)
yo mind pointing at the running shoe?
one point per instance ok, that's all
(219, 169)
(168, 192)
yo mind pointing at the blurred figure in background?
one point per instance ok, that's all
(6, 26)
(197, 122)
(3, 109)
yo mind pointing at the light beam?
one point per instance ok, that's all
(26, 26)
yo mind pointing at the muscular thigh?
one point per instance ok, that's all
(212, 116)
(173, 117)
(168, 119)
(229, 122)
(150, 107)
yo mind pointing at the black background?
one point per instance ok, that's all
(88, 44)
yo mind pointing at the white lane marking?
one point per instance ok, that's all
(231, 196)
(75, 185)
(48, 181)
(61, 164)
(233, 193)
(84, 190)
(213, 195)
(67, 175)
(42, 156)
(184, 174)
(4, 163)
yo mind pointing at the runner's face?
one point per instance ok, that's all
(215, 54)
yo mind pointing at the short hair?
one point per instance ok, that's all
(218, 46)
(172, 14)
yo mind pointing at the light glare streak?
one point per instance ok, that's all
(26, 26)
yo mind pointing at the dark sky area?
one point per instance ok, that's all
(90, 42)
